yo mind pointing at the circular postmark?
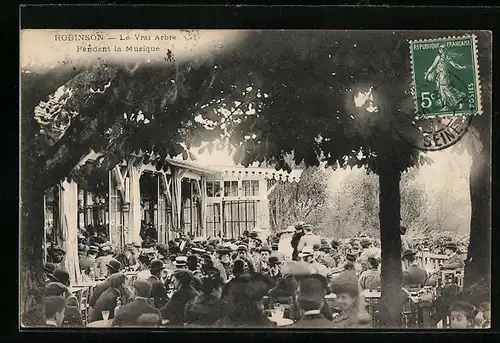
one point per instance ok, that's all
(433, 134)
(444, 125)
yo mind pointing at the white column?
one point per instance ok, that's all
(68, 216)
(263, 221)
(134, 214)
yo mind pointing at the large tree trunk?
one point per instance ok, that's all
(391, 273)
(32, 283)
(478, 263)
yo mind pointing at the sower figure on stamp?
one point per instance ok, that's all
(440, 72)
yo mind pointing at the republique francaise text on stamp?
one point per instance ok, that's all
(446, 76)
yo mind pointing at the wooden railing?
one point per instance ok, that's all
(427, 259)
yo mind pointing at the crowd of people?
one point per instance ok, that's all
(222, 282)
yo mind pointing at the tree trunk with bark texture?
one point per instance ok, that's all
(391, 273)
(32, 283)
(478, 263)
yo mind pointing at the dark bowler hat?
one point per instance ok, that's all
(223, 250)
(117, 279)
(451, 245)
(265, 247)
(242, 247)
(254, 235)
(114, 265)
(335, 244)
(351, 257)
(274, 246)
(184, 276)
(408, 252)
(49, 267)
(324, 247)
(62, 276)
(55, 288)
(273, 260)
(365, 242)
(156, 265)
(93, 249)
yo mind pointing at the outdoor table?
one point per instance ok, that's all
(282, 321)
(100, 324)
(371, 294)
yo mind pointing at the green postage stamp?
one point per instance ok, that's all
(445, 76)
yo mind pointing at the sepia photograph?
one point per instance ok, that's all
(257, 179)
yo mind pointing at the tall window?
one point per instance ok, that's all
(250, 187)
(213, 189)
(230, 188)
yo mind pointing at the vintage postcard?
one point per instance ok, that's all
(255, 179)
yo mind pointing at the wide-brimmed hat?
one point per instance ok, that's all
(307, 251)
(290, 229)
(198, 250)
(345, 282)
(408, 252)
(463, 306)
(114, 265)
(156, 265)
(299, 225)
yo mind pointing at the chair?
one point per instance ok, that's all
(84, 305)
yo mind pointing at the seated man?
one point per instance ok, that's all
(455, 259)
(128, 315)
(310, 298)
(54, 310)
(413, 275)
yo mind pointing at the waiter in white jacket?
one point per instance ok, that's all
(309, 239)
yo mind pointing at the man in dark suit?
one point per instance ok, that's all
(108, 300)
(174, 310)
(54, 310)
(114, 266)
(299, 232)
(413, 275)
(158, 290)
(310, 297)
(128, 314)
(455, 259)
